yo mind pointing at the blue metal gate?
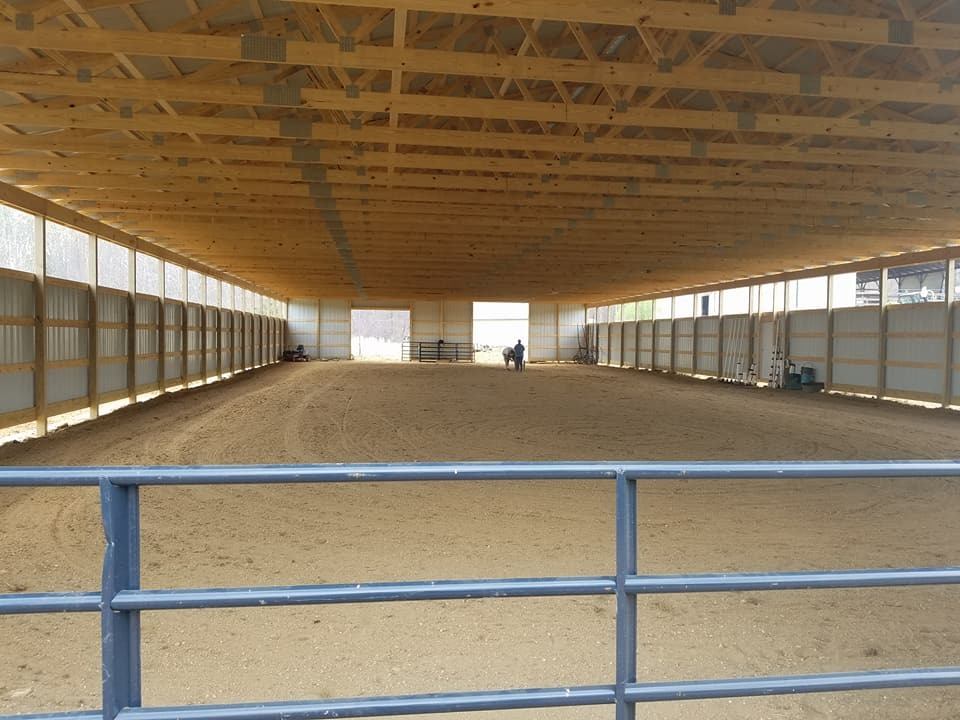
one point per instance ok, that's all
(121, 600)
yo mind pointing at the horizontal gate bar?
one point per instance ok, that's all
(831, 682)
(656, 584)
(418, 472)
(359, 593)
(384, 706)
(74, 715)
(24, 603)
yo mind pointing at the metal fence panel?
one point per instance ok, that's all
(121, 601)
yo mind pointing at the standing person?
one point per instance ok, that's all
(518, 351)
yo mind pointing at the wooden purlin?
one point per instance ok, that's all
(591, 146)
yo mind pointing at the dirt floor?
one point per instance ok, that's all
(321, 412)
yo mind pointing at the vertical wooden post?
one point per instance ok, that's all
(132, 325)
(93, 345)
(720, 357)
(184, 331)
(40, 324)
(694, 367)
(218, 340)
(752, 304)
(204, 365)
(950, 310)
(882, 334)
(828, 380)
(162, 331)
(673, 333)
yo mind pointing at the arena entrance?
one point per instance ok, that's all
(497, 325)
(379, 333)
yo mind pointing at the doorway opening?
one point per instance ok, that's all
(497, 325)
(379, 334)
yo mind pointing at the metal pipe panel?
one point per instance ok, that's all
(383, 706)
(360, 593)
(792, 685)
(657, 584)
(26, 603)
(420, 472)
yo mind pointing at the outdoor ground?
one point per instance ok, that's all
(321, 412)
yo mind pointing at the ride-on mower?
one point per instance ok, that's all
(298, 355)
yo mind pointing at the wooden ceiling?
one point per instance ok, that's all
(504, 149)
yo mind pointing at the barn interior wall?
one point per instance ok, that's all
(908, 350)
(68, 346)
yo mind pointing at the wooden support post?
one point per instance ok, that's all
(184, 332)
(653, 339)
(218, 340)
(162, 332)
(752, 304)
(673, 333)
(828, 380)
(204, 365)
(720, 357)
(694, 367)
(93, 345)
(950, 314)
(131, 325)
(40, 324)
(882, 334)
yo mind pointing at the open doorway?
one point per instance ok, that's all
(379, 334)
(497, 325)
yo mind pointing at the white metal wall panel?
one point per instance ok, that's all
(956, 354)
(111, 376)
(708, 345)
(335, 329)
(212, 314)
(603, 343)
(571, 317)
(629, 344)
(64, 344)
(194, 340)
(425, 321)
(226, 340)
(16, 344)
(765, 333)
(736, 346)
(684, 345)
(249, 340)
(616, 344)
(856, 348)
(807, 340)
(67, 343)
(111, 342)
(303, 320)
(542, 345)
(916, 348)
(67, 383)
(238, 343)
(147, 315)
(664, 340)
(645, 338)
(458, 321)
(173, 339)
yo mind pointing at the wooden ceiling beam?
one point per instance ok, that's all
(693, 17)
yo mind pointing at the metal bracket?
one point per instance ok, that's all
(353, 91)
(589, 137)
(281, 95)
(621, 106)
(900, 32)
(746, 121)
(810, 84)
(727, 7)
(356, 124)
(698, 149)
(84, 75)
(295, 127)
(23, 21)
(314, 173)
(348, 44)
(306, 153)
(663, 171)
(665, 65)
(263, 48)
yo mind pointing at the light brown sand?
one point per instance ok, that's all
(319, 412)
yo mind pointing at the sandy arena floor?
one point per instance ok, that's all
(51, 539)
